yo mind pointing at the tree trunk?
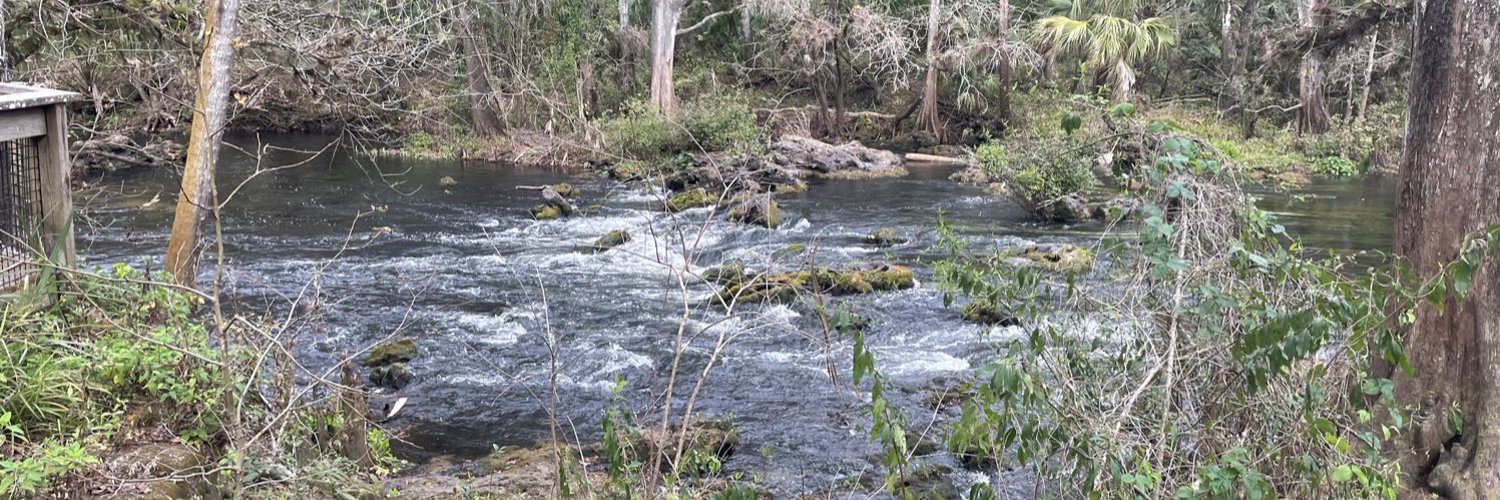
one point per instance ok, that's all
(1312, 117)
(1364, 91)
(624, 14)
(4, 56)
(927, 116)
(1236, 50)
(210, 115)
(481, 96)
(1002, 69)
(664, 17)
(747, 36)
(1450, 187)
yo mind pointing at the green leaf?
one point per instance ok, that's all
(1343, 473)
(1071, 123)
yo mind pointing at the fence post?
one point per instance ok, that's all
(57, 195)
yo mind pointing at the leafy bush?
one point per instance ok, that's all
(642, 132)
(713, 124)
(1336, 166)
(1034, 181)
(721, 123)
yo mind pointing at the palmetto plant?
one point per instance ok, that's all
(1107, 36)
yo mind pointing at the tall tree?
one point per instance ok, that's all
(1450, 187)
(927, 116)
(664, 17)
(210, 115)
(481, 95)
(1312, 116)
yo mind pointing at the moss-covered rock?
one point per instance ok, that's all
(839, 281)
(757, 209)
(400, 350)
(790, 249)
(989, 313)
(394, 376)
(1052, 256)
(545, 212)
(796, 186)
(692, 198)
(165, 470)
(884, 237)
(707, 440)
(613, 239)
(730, 272)
(447, 181)
(566, 190)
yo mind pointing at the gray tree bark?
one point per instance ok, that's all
(1450, 187)
(1312, 117)
(210, 115)
(665, 15)
(927, 115)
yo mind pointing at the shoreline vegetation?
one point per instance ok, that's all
(1243, 366)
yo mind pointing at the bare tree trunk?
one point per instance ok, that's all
(624, 14)
(664, 17)
(1236, 50)
(1312, 117)
(927, 116)
(1364, 93)
(210, 114)
(481, 95)
(4, 56)
(1450, 187)
(747, 36)
(1002, 69)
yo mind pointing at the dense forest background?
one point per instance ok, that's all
(1323, 78)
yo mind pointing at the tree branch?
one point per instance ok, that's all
(706, 19)
(1351, 24)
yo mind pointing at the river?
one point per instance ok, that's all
(486, 291)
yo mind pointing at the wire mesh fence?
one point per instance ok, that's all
(20, 207)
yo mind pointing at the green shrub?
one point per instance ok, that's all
(1335, 166)
(713, 124)
(721, 124)
(642, 132)
(1229, 148)
(419, 141)
(1035, 180)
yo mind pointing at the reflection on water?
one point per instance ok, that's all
(1345, 215)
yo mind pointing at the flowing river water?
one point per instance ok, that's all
(488, 293)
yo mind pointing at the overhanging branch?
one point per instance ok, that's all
(706, 19)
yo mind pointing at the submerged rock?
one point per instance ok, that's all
(884, 237)
(843, 280)
(400, 350)
(613, 239)
(394, 376)
(1067, 208)
(758, 209)
(447, 181)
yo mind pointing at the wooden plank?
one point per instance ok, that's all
(22, 123)
(18, 96)
(57, 197)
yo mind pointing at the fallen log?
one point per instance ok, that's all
(942, 160)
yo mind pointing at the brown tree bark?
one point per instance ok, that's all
(927, 115)
(481, 95)
(210, 115)
(1312, 117)
(665, 15)
(1450, 187)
